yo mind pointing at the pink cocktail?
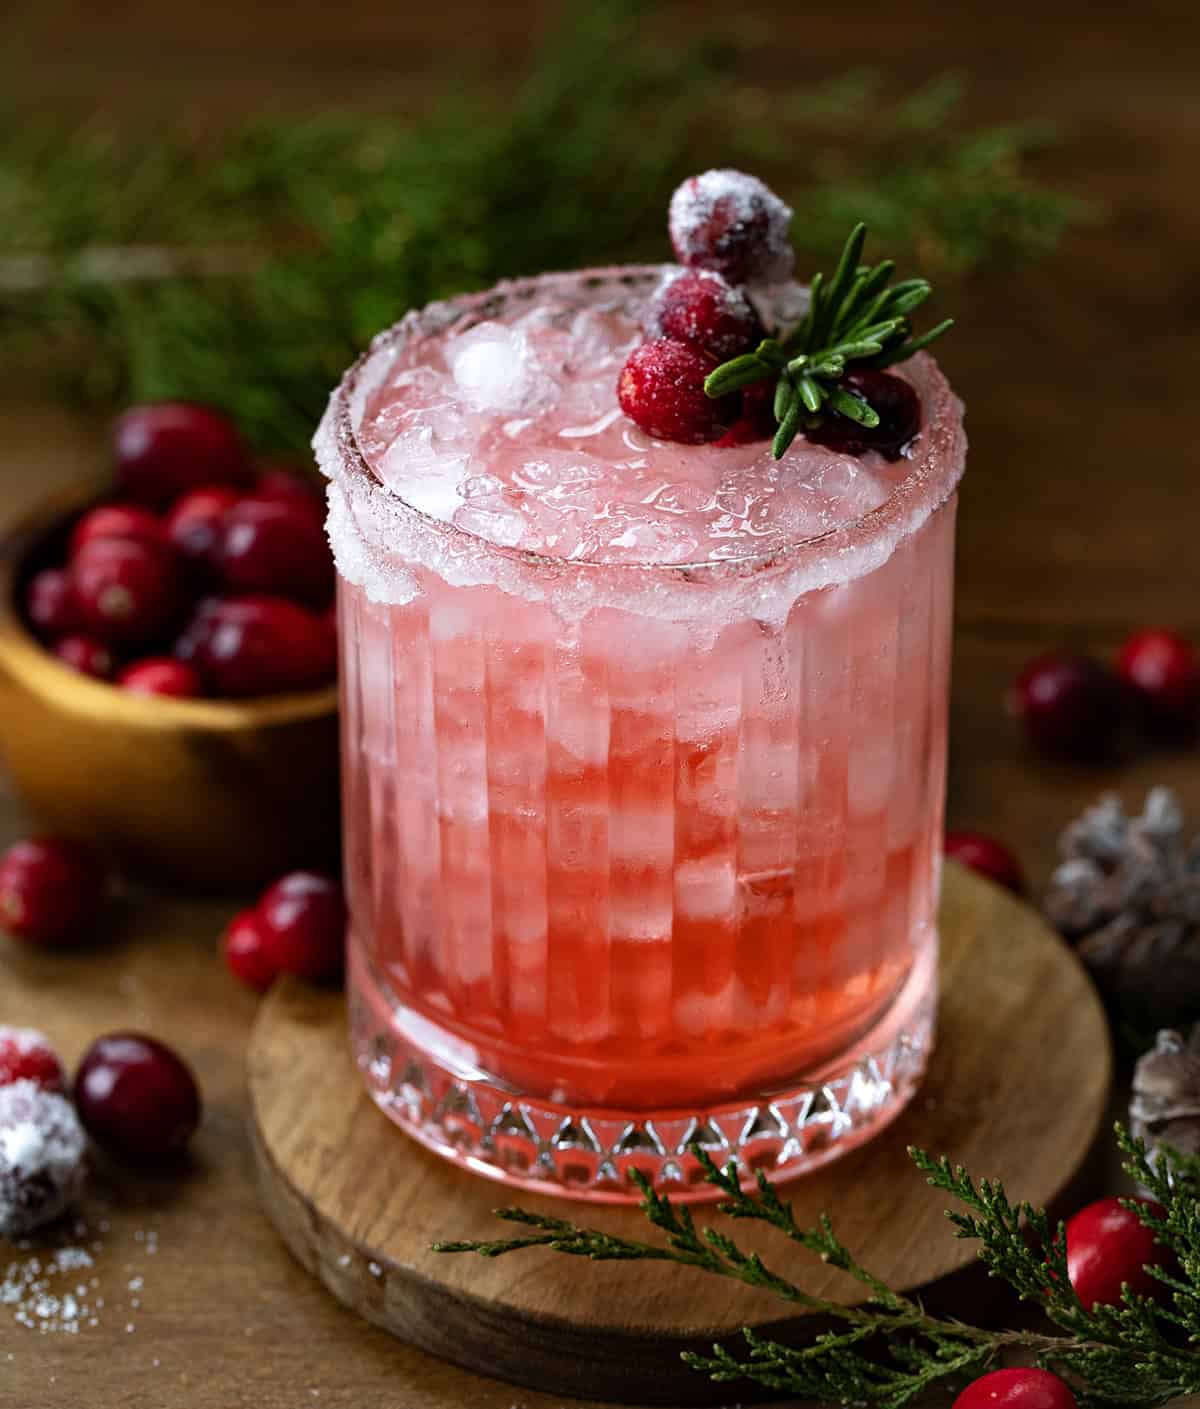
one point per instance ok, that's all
(644, 752)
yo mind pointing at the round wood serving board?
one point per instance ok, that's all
(1017, 1090)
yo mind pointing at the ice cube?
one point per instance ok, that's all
(495, 369)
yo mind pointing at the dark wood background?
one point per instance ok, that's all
(1079, 522)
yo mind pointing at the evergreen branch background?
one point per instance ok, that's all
(247, 269)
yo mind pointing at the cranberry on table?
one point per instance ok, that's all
(244, 945)
(136, 1098)
(661, 389)
(1161, 671)
(989, 857)
(734, 223)
(50, 603)
(277, 547)
(246, 646)
(128, 592)
(42, 1148)
(1108, 1245)
(49, 889)
(116, 521)
(162, 675)
(167, 448)
(1018, 1388)
(86, 655)
(698, 307)
(303, 920)
(193, 524)
(26, 1055)
(1068, 704)
(892, 399)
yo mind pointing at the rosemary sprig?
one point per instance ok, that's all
(888, 1350)
(853, 320)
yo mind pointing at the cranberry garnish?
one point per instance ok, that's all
(757, 419)
(165, 449)
(259, 646)
(162, 675)
(26, 1055)
(41, 1157)
(117, 521)
(193, 524)
(128, 592)
(244, 945)
(698, 307)
(891, 398)
(86, 655)
(733, 223)
(49, 889)
(277, 547)
(303, 921)
(1022, 1387)
(1069, 705)
(1108, 1245)
(989, 857)
(50, 602)
(1161, 671)
(136, 1098)
(661, 388)
(286, 486)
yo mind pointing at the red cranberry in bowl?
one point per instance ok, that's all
(50, 604)
(50, 889)
(116, 521)
(167, 448)
(278, 547)
(288, 486)
(193, 524)
(259, 645)
(86, 655)
(136, 1098)
(303, 921)
(129, 592)
(162, 675)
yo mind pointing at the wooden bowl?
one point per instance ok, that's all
(213, 795)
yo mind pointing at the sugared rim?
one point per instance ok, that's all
(934, 473)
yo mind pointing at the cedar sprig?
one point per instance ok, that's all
(888, 1351)
(853, 320)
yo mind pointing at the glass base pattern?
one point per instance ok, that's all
(483, 1124)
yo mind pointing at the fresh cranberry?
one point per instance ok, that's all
(128, 592)
(303, 921)
(245, 947)
(193, 524)
(294, 487)
(165, 449)
(117, 521)
(1107, 1246)
(86, 655)
(1161, 671)
(698, 307)
(49, 889)
(42, 1149)
(894, 402)
(259, 646)
(136, 1098)
(757, 418)
(50, 602)
(1018, 1388)
(733, 223)
(26, 1055)
(989, 857)
(1068, 704)
(277, 547)
(661, 388)
(162, 675)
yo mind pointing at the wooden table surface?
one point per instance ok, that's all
(1079, 520)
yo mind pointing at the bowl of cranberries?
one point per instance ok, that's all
(168, 658)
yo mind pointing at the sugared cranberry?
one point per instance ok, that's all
(164, 450)
(128, 592)
(49, 889)
(86, 655)
(1161, 672)
(1108, 1246)
(989, 857)
(162, 675)
(303, 921)
(757, 418)
(244, 945)
(117, 521)
(259, 646)
(698, 307)
(136, 1098)
(661, 388)
(42, 1147)
(1019, 1388)
(193, 525)
(50, 603)
(891, 398)
(733, 223)
(26, 1055)
(277, 547)
(1068, 704)
(293, 487)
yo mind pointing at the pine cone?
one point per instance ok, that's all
(1165, 1108)
(1128, 893)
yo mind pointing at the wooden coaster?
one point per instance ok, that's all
(1016, 1090)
